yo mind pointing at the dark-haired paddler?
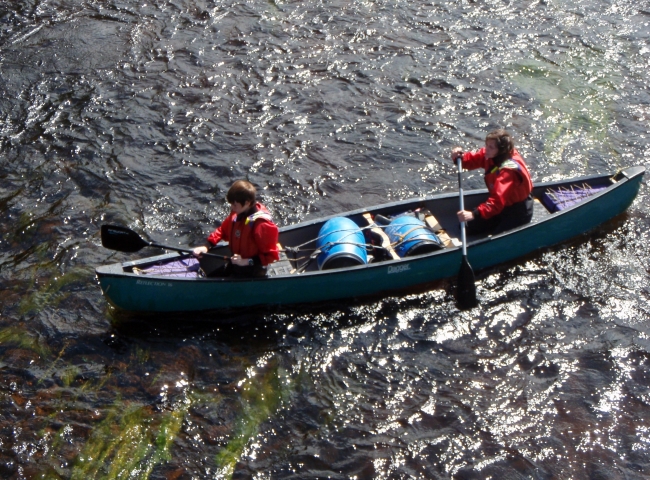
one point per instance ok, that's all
(250, 232)
(510, 203)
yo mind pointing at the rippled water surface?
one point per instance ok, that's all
(142, 113)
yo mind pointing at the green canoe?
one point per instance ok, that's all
(175, 282)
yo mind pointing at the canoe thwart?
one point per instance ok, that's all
(385, 241)
(434, 225)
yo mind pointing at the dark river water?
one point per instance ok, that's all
(142, 113)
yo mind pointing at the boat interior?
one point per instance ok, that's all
(386, 233)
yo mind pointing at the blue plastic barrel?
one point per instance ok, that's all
(410, 236)
(342, 244)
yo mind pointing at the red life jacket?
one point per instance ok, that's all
(251, 236)
(508, 183)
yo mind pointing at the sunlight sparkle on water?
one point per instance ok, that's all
(147, 116)
(451, 331)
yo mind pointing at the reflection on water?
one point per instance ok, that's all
(143, 113)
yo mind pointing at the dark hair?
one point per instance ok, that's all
(241, 192)
(505, 144)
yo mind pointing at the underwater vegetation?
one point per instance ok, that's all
(89, 430)
(17, 336)
(261, 397)
(52, 288)
(129, 442)
(576, 100)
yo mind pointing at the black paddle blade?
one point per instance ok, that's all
(121, 239)
(466, 293)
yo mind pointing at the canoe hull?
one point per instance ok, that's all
(137, 294)
(158, 294)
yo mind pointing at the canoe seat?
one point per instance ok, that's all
(385, 241)
(434, 225)
(539, 210)
(282, 266)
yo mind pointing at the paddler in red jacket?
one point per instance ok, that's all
(510, 203)
(250, 232)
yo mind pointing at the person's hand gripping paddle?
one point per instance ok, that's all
(466, 292)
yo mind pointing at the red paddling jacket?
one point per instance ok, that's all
(251, 235)
(508, 183)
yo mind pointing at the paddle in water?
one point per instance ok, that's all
(122, 239)
(466, 293)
